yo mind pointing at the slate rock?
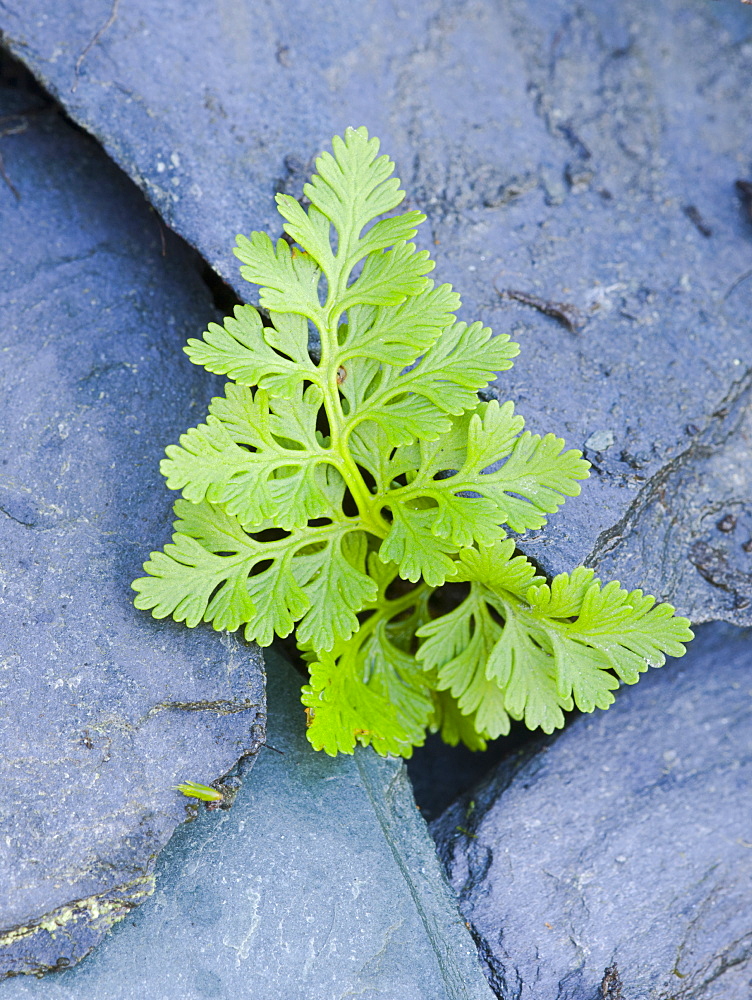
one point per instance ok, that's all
(585, 154)
(321, 883)
(697, 514)
(624, 841)
(102, 709)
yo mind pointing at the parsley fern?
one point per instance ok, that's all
(332, 494)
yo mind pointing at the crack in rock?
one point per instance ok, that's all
(694, 517)
(68, 933)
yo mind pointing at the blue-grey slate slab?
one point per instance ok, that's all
(102, 709)
(321, 883)
(626, 841)
(583, 153)
(700, 507)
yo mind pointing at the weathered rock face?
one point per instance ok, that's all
(623, 841)
(696, 518)
(102, 709)
(320, 882)
(584, 154)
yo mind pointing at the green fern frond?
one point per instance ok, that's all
(331, 492)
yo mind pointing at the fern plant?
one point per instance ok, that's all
(332, 492)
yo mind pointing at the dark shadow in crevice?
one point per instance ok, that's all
(440, 774)
(224, 297)
(14, 75)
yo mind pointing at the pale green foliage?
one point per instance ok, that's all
(331, 493)
(544, 646)
(370, 688)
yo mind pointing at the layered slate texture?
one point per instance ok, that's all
(102, 709)
(625, 841)
(321, 883)
(586, 154)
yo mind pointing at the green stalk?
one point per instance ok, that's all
(371, 518)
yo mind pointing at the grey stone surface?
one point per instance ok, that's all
(321, 883)
(625, 840)
(584, 153)
(699, 507)
(102, 709)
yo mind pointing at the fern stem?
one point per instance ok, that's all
(370, 515)
(385, 610)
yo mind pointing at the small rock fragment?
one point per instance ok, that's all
(568, 315)
(600, 440)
